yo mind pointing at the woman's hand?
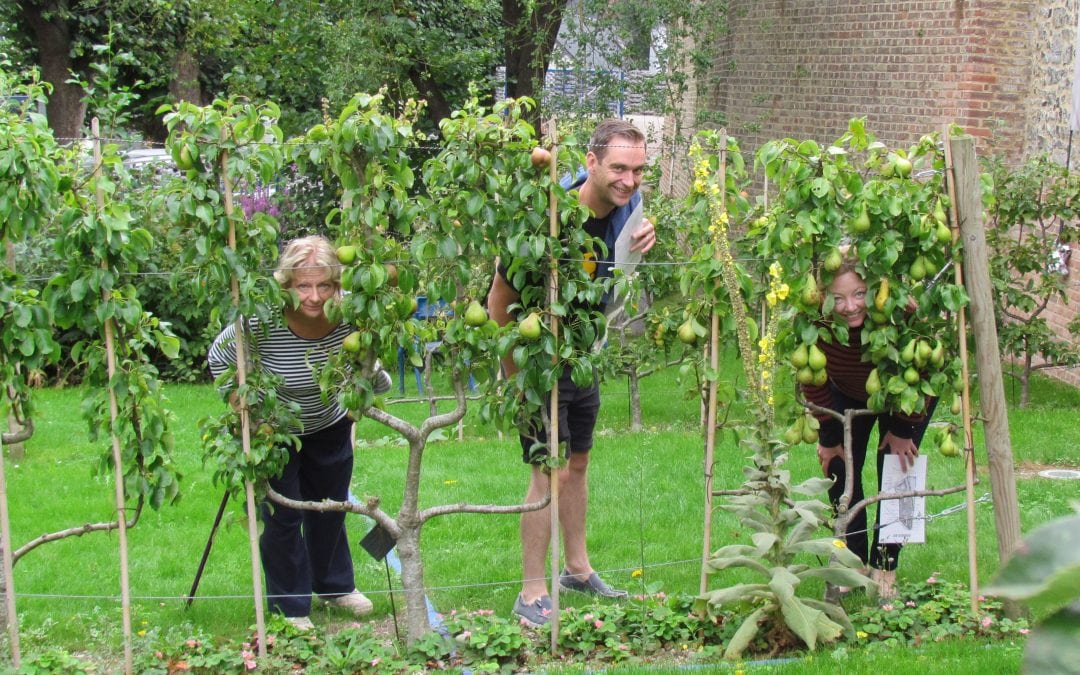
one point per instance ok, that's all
(825, 455)
(904, 448)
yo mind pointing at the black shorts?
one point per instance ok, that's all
(578, 410)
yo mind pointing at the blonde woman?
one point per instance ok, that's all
(305, 552)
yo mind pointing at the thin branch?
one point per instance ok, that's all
(24, 434)
(859, 506)
(482, 508)
(76, 532)
(369, 508)
(449, 418)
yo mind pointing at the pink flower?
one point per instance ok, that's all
(588, 617)
(1024, 631)
(250, 664)
(887, 607)
(466, 634)
(598, 623)
(932, 580)
(247, 655)
(159, 655)
(624, 647)
(192, 643)
(987, 621)
(375, 661)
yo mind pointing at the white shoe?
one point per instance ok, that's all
(300, 623)
(355, 602)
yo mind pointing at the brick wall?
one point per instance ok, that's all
(802, 68)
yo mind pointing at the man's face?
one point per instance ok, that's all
(617, 175)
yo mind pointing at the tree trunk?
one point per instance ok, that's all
(635, 400)
(66, 110)
(412, 580)
(530, 37)
(184, 85)
(14, 450)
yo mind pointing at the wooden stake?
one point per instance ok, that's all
(710, 418)
(553, 428)
(114, 413)
(5, 549)
(245, 418)
(987, 353)
(965, 395)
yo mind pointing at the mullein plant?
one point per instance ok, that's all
(782, 516)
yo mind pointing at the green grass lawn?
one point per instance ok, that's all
(646, 512)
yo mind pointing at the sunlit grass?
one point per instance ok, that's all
(646, 512)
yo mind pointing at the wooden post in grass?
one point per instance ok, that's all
(710, 417)
(553, 412)
(965, 394)
(987, 354)
(114, 413)
(245, 418)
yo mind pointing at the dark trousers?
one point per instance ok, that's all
(881, 556)
(305, 551)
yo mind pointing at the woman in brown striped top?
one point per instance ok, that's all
(845, 389)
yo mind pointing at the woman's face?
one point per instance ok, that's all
(314, 287)
(848, 291)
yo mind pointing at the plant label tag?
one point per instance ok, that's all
(903, 520)
(377, 542)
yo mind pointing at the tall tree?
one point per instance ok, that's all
(531, 28)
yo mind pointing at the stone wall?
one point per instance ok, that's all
(802, 68)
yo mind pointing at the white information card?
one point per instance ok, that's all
(903, 521)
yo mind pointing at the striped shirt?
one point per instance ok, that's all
(848, 372)
(292, 358)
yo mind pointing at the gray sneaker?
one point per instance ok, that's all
(594, 585)
(536, 613)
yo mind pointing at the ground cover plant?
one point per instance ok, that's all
(646, 503)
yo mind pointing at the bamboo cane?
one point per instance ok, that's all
(965, 396)
(114, 413)
(245, 418)
(9, 581)
(553, 429)
(710, 422)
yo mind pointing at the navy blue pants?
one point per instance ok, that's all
(879, 556)
(305, 552)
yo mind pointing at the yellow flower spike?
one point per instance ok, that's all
(783, 291)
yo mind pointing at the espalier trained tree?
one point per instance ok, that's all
(31, 185)
(246, 137)
(887, 209)
(484, 194)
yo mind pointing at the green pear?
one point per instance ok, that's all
(686, 333)
(529, 328)
(800, 357)
(833, 261)
(816, 358)
(873, 382)
(475, 314)
(861, 223)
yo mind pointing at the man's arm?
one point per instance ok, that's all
(499, 299)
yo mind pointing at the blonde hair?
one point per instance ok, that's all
(312, 251)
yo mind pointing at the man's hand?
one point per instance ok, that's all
(644, 238)
(904, 448)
